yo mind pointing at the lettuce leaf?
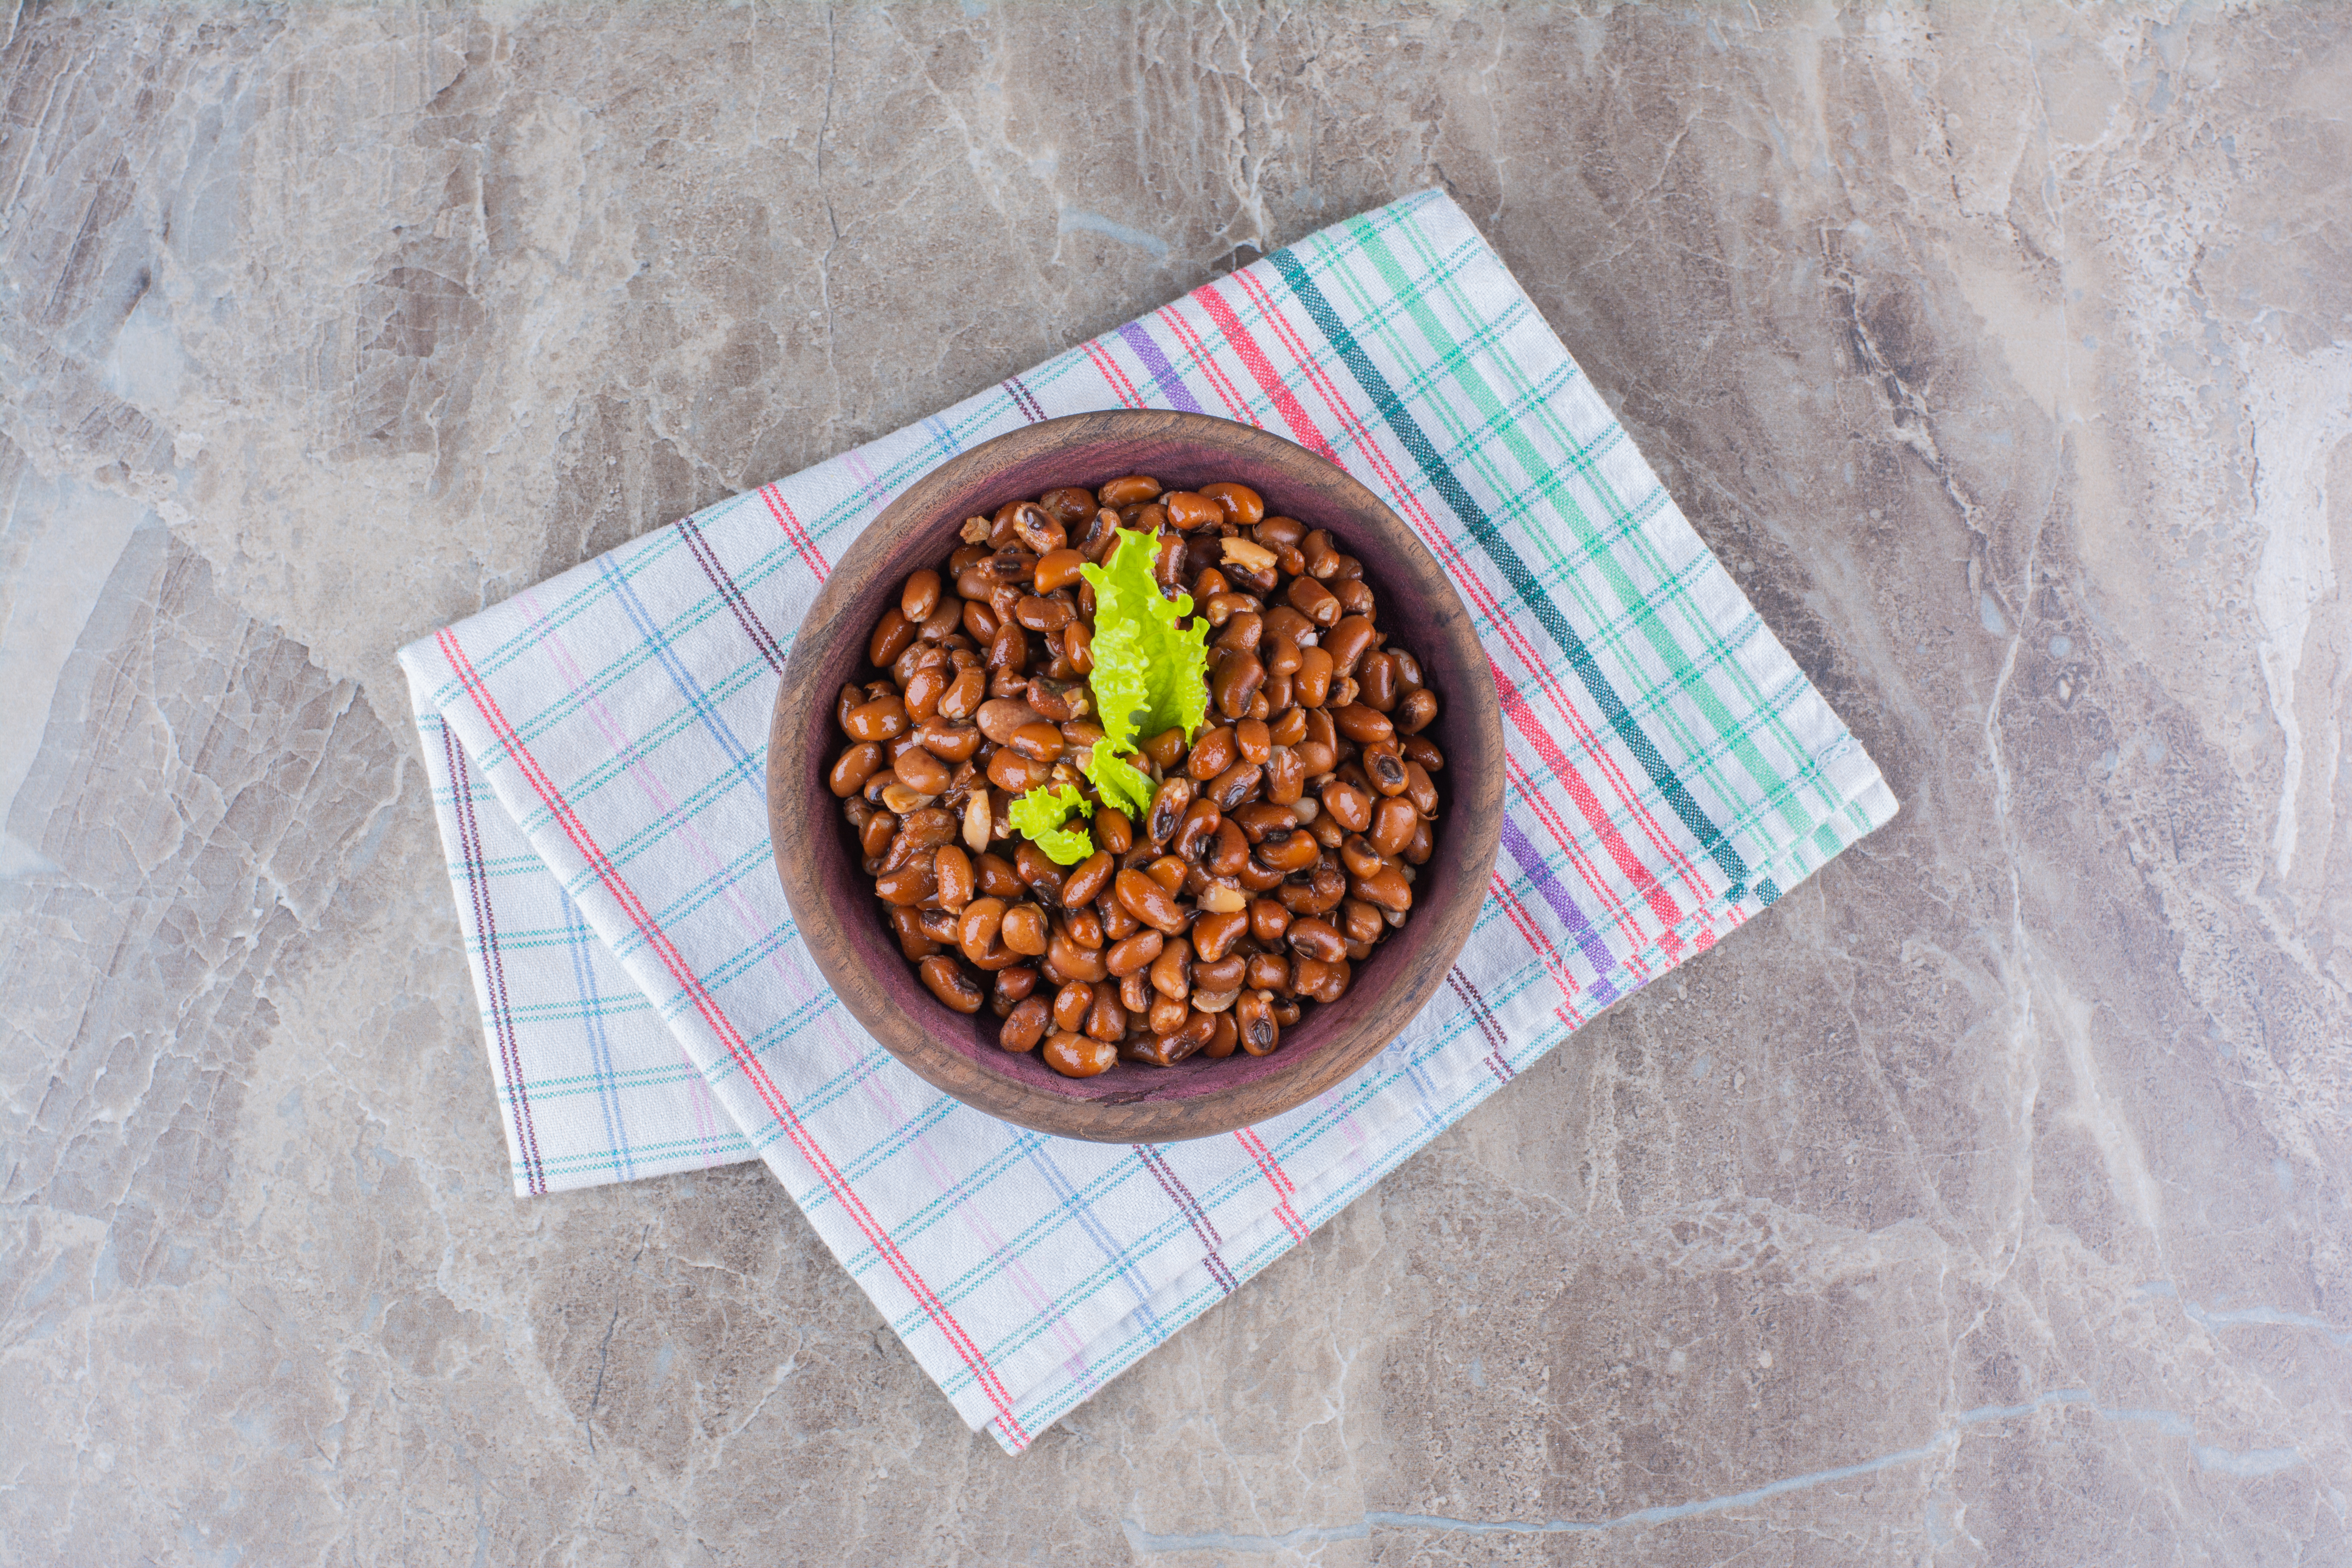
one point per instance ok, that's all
(1150, 674)
(1119, 781)
(1039, 816)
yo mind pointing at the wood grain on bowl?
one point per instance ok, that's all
(832, 898)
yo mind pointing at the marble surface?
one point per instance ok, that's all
(1986, 1202)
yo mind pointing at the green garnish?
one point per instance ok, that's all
(1119, 781)
(1040, 816)
(1150, 674)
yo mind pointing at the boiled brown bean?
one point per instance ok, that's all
(1260, 818)
(1350, 805)
(1347, 643)
(1195, 1033)
(1363, 725)
(1228, 853)
(921, 772)
(1384, 766)
(1243, 506)
(1072, 961)
(1042, 615)
(1070, 1004)
(1165, 1014)
(1113, 830)
(1236, 784)
(1106, 1018)
(1171, 972)
(1313, 600)
(949, 984)
(1393, 821)
(1026, 1025)
(883, 718)
(1135, 992)
(951, 874)
(1420, 789)
(1234, 682)
(923, 687)
(1149, 903)
(890, 638)
(1211, 753)
(1312, 686)
(1388, 889)
(1008, 650)
(1187, 510)
(1359, 858)
(908, 884)
(1269, 921)
(1268, 971)
(998, 879)
(1322, 981)
(1221, 1039)
(913, 941)
(1088, 879)
(853, 767)
(1015, 774)
(1285, 775)
(1416, 712)
(921, 596)
(1134, 955)
(1132, 490)
(1024, 930)
(1253, 1021)
(1057, 569)
(977, 932)
(1316, 938)
(1166, 749)
(1213, 935)
(1116, 923)
(1038, 871)
(1082, 926)
(1038, 742)
(963, 695)
(949, 742)
(1245, 627)
(1286, 849)
(1360, 921)
(1223, 976)
(1258, 878)
(1075, 1055)
(1200, 819)
(1169, 804)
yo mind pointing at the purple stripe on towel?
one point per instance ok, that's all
(1588, 941)
(1163, 374)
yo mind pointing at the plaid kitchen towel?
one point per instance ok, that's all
(595, 746)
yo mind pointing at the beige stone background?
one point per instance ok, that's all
(1986, 1202)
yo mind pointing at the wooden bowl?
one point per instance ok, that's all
(832, 899)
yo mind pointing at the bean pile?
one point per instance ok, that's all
(1280, 844)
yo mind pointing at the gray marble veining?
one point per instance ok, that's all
(1986, 1202)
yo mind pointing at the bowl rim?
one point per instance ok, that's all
(797, 812)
